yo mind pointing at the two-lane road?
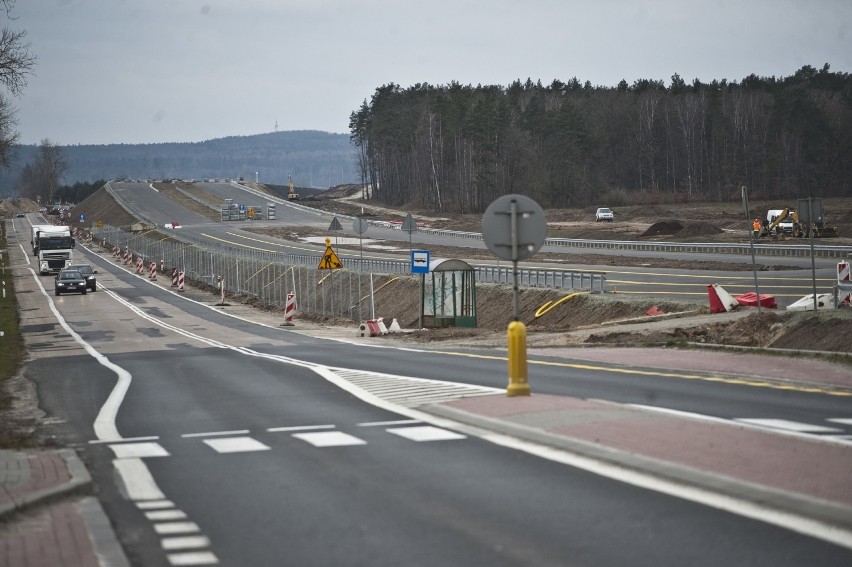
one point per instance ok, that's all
(215, 439)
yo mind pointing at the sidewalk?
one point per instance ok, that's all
(46, 519)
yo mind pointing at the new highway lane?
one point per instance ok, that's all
(213, 439)
(785, 285)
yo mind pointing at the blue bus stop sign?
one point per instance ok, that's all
(419, 261)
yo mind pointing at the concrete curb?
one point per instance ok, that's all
(80, 477)
(820, 510)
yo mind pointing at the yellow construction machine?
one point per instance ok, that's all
(292, 195)
(788, 220)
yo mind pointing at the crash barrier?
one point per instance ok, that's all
(174, 277)
(153, 271)
(180, 281)
(269, 276)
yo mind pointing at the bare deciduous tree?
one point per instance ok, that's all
(16, 64)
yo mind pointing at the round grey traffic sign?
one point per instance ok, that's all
(514, 227)
(359, 225)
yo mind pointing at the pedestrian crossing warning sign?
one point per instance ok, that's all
(329, 260)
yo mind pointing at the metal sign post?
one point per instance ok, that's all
(514, 228)
(751, 246)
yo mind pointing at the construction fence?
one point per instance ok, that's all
(270, 276)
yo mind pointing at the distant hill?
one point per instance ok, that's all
(313, 158)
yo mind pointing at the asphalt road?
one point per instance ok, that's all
(268, 462)
(785, 285)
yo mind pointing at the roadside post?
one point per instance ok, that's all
(514, 228)
(751, 246)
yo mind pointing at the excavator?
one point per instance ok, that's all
(292, 195)
(800, 229)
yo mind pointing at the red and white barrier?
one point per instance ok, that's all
(128, 257)
(843, 275)
(720, 300)
(174, 277)
(290, 309)
(140, 265)
(180, 281)
(163, 266)
(153, 274)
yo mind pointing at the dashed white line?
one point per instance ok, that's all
(330, 439)
(236, 445)
(426, 433)
(216, 433)
(384, 423)
(165, 515)
(299, 428)
(193, 558)
(155, 504)
(139, 450)
(185, 542)
(171, 528)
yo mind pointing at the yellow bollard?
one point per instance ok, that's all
(517, 349)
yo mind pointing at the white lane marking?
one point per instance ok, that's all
(140, 450)
(788, 425)
(426, 433)
(105, 429)
(383, 423)
(124, 440)
(170, 528)
(299, 428)
(743, 424)
(761, 512)
(185, 542)
(842, 420)
(193, 558)
(216, 433)
(137, 480)
(155, 504)
(236, 445)
(165, 515)
(329, 439)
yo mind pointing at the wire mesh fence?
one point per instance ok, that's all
(270, 276)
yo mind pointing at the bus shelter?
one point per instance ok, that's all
(448, 295)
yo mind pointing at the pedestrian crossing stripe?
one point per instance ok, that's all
(329, 260)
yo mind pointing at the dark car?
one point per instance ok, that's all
(88, 273)
(70, 280)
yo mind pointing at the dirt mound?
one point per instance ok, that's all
(699, 228)
(663, 228)
(681, 229)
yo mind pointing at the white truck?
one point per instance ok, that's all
(53, 245)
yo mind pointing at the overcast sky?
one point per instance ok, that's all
(138, 71)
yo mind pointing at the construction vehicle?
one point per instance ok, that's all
(787, 221)
(292, 195)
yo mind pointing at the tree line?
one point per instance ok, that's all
(455, 148)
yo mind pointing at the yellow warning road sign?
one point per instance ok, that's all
(329, 260)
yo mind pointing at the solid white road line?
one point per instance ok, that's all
(137, 479)
(788, 425)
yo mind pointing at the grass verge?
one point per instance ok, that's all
(11, 346)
